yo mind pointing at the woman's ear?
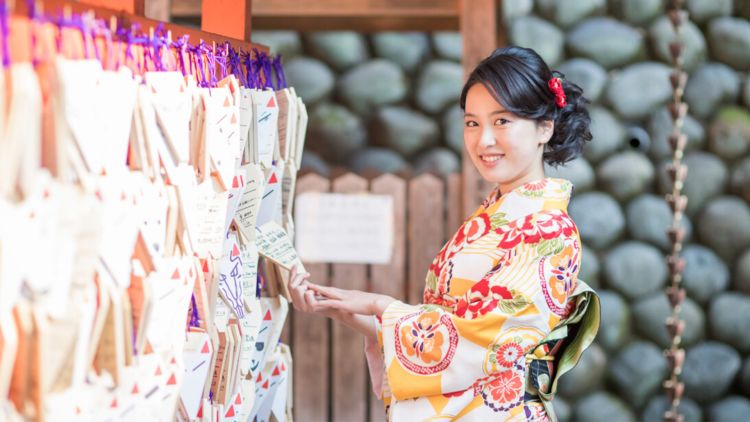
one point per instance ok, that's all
(545, 129)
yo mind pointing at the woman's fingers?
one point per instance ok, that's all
(330, 292)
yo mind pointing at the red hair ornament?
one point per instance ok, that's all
(555, 85)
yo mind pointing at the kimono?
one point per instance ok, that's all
(504, 315)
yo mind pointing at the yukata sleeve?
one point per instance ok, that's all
(430, 350)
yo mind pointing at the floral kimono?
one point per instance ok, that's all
(504, 315)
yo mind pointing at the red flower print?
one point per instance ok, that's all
(477, 227)
(422, 338)
(508, 354)
(506, 387)
(480, 299)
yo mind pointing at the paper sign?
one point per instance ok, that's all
(344, 228)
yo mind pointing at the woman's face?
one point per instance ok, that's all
(506, 149)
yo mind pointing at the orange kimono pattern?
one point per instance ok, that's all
(494, 292)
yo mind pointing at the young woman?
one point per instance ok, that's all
(504, 313)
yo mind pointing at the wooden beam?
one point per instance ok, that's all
(227, 17)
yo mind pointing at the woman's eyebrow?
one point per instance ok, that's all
(493, 113)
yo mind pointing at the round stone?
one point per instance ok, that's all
(662, 33)
(608, 135)
(286, 43)
(590, 268)
(705, 275)
(728, 317)
(587, 74)
(729, 39)
(438, 85)
(340, 49)
(601, 406)
(578, 171)
(703, 10)
(312, 79)
(599, 218)
(568, 12)
(539, 35)
(453, 128)
(652, 311)
(372, 84)
(606, 41)
(516, 9)
(448, 45)
(639, 89)
(710, 85)
(740, 179)
(638, 371)
(379, 160)
(709, 370)
(563, 411)
(407, 49)
(729, 135)
(626, 174)
(745, 377)
(614, 328)
(404, 130)
(706, 178)
(724, 226)
(660, 126)
(730, 409)
(637, 12)
(312, 161)
(649, 217)
(746, 92)
(635, 269)
(334, 132)
(440, 161)
(587, 376)
(654, 411)
(742, 272)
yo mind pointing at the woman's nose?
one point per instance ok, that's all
(488, 137)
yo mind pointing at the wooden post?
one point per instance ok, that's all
(426, 230)
(480, 31)
(230, 18)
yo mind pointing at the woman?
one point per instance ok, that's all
(504, 313)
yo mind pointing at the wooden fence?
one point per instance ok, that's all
(427, 209)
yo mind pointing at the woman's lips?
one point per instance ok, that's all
(491, 160)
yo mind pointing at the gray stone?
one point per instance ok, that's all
(587, 376)
(742, 8)
(578, 171)
(724, 226)
(378, 159)
(312, 79)
(705, 275)
(568, 12)
(728, 318)
(608, 135)
(729, 135)
(706, 178)
(729, 39)
(662, 33)
(334, 132)
(340, 49)
(638, 371)
(746, 91)
(372, 84)
(440, 161)
(539, 35)
(635, 269)
(599, 218)
(637, 12)
(730, 409)
(563, 411)
(710, 85)
(590, 268)
(639, 89)
(649, 217)
(312, 161)
(652, 311)
(654, 411)
(740, 180)
(614, 328)
(438, 85)
(660, 127)
(516, 9)
(587, 74)
(286, 43)
(703, 10)
(745, 377)
(626, 174)
(453, 128)
(742, 273)
(601, 406)
(404, 130)
(407, 49)
(710, 368)
(448, 45)
(606, 41)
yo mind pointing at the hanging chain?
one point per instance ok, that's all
(677, 201)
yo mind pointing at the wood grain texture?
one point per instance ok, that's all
(426, 230)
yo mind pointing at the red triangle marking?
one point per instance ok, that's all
(176, 274)
(276, 372)
(238, 399)
(271, 103)
(234, 119)
(172, 380)
(230, 412)
(283, 367)
(259, 379)
(205, 265)
(114, 403)
(123, 196)
(153, 89)
(205, 348)
(235, 251)
(268, 316)
(158, 370)
(98, 194)
(273, 179)
(135, 389)
(173, 361)
(235, 182)
(265, 385)
(191, 272)
(200, 412)
(226, 102)
(46, 194)
(78, 410)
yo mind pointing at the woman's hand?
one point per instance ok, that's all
(350, 301)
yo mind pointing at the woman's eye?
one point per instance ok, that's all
(502, 122)
(470, 123)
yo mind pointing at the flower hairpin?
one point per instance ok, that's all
(555, 85)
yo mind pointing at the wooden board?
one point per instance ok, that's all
(426, 230)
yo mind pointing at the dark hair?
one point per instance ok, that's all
(517, 77)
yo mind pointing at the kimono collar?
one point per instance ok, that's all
(537, 195)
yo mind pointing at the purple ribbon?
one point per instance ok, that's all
(252, 77)
(5, 33)
(180, 44)
(235, 66)
(279, 70)
(194, 318)
(265, 64)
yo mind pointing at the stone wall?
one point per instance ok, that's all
(389, 100)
